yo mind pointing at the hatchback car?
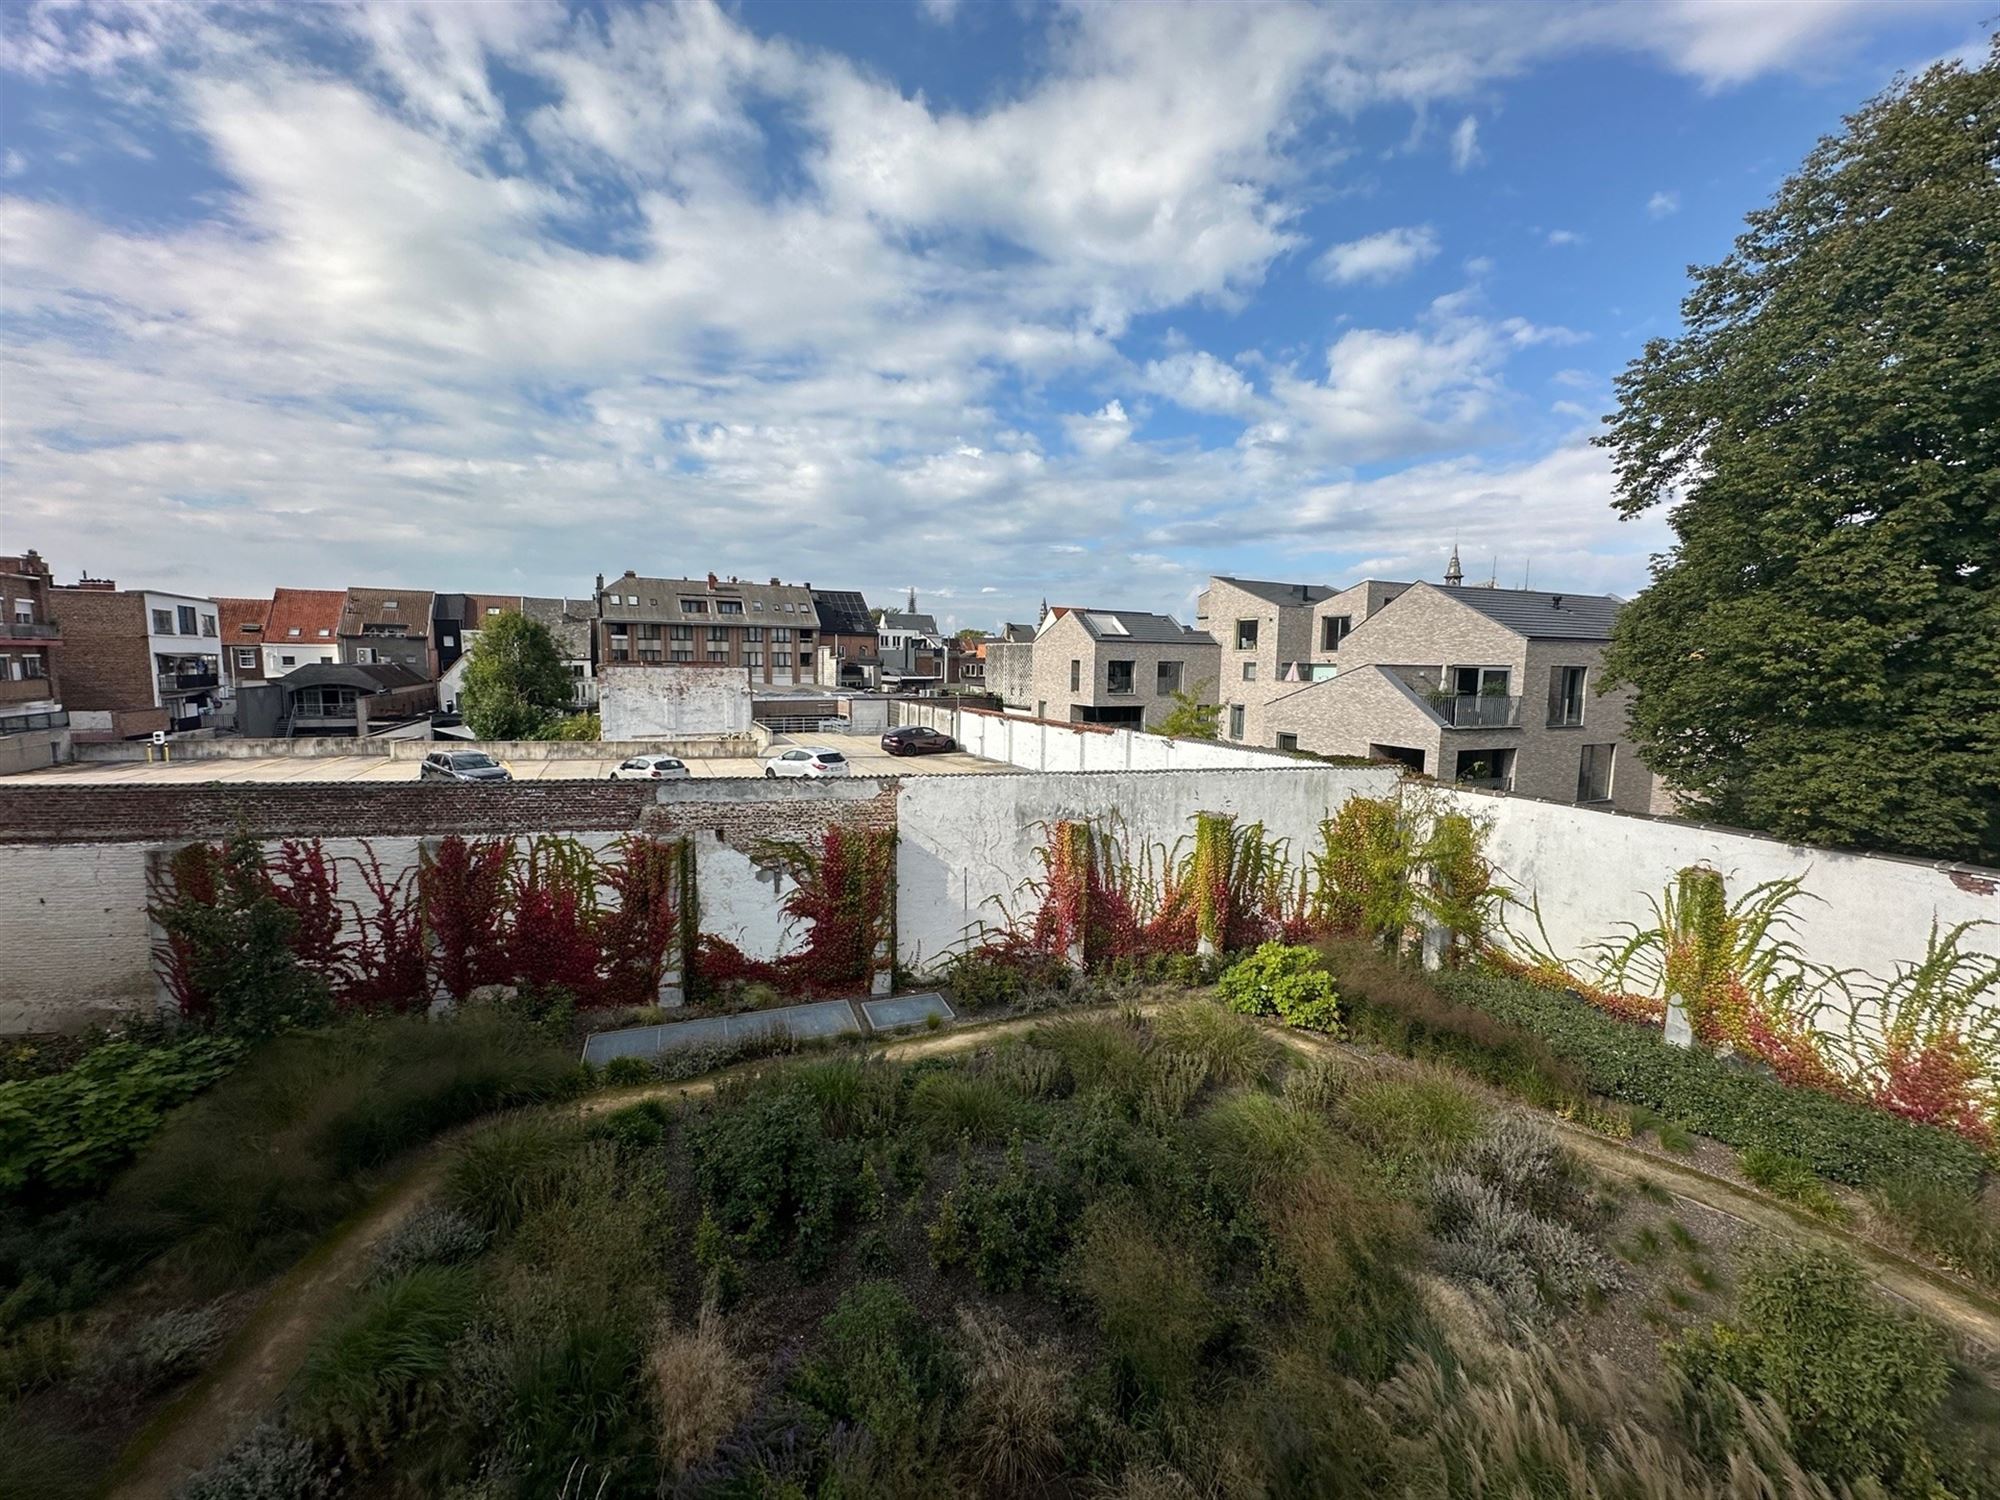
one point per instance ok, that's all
(914, 739)
(808, 762)
(650, 768)
(462, 765)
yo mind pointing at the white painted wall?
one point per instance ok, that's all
(1593, 870)
(639, 703)
(1046, 745)
(968, 844)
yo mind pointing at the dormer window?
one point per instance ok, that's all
(293, 631)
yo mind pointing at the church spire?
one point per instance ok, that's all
(913, 598)
(1454, 575)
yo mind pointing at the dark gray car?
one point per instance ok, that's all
(463, 765)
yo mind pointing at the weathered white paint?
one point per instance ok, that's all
(637, 703)
(1046, 745)
(965, 856)
(1593, 871)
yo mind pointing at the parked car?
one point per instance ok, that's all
(650, 768)
(808, 762)
(462, 765)
(914, 739)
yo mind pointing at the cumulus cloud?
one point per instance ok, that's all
(1378, 257)
(506, 294)
(1558, 238)
(1663, 204)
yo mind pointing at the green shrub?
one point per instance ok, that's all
(68, 1132)
(1859, 1384)
(1151, 1298)
(721, 1277)
(1413, 1123)
(623, 1072)
(1788, 1177)
(385, 1367)
(573, 1400)
(1289, 982)
(502, 1173)
(1007, 1226)
(435, 1235)
(1230, 1049)
(880, 1365)
(772, 1178)
(1839, 1140)
(1949, 1223)
(635, 1129)
(1489, 1234)
(854, 1096)
(951, 1103)
(1098, 1054)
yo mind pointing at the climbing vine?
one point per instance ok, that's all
(843, 889)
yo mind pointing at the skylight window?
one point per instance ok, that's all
(1107, 624)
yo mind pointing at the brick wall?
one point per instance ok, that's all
(105, 663)
(744, 811)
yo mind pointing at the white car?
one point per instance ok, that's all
(650, 768)
(808, 762)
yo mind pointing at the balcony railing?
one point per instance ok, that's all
(1476, 710)
(1307, 671)
(17, 723)
(24, 630)
(186, 682)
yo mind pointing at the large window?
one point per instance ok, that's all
(187, 619)
(694, 606)
(1246, 635)
(1333, 630)
(1118, 676)
(1169, 678)
(680, 632)
(717, 635)
(1249, 671)
(1593, 773)
(1565, 696)
(163, 622)
(729, 606)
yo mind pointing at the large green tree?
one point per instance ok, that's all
(1819, 655)
(516, 684)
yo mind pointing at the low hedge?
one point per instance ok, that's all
(1838, 1138)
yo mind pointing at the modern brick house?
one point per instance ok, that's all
(1116, 666)
(136, 660)
(850, 649)
(302, 629)
(33, 725)
(388, 627)
(913, 652)
(1490, 687)
(771, 630)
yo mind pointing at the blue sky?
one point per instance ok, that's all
(997, 301)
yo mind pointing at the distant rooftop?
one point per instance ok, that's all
(1132, 625)
(1279, 593)
(1540, 616)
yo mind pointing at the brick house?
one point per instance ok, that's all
(302, 630)
(136, 660)
(770, 630)
(850, 649)
(33, 725)
(1485, 686)
(913, 652)
(388, 627)
(243, 622)
(1106, 666)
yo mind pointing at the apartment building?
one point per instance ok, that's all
(301, 630)
(770, 630)
(1483, 686)
(242, 623)
(388, 627)
(850, 648)
(1106, 666)
(136, 660)
(33, 725)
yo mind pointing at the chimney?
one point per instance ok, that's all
(600, 583)
(775, 584)
(1555, 601)
(712, 582)
(630, 574)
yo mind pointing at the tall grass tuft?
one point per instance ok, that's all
(1019, 1404)
(700, 1388)
(1233, 1049)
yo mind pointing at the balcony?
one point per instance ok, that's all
(187, 682)
(26, 689)
(25, 630)
(1476, 710)
(54, 718)
(1307, 671)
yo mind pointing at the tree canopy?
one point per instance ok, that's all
(1190, 718)
(516, 684)
(1819, 654)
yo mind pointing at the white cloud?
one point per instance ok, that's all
(1663, 204)
(943, 12)
(1198, 381)
(1562, 237)
(1101, 431)
(1465, 152)
(1378, 257)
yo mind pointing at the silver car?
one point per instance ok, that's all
(650, 768)
(804, 761)
(462, 765)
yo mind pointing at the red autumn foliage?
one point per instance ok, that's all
(192, 873)
(636, 936)
(844, 891)
(306, 881)
(1933, 1083)
(462, 894)
(386, 958)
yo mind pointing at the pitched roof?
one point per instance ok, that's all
(842, 612)
(660, 599)
(569, 621)
(1542, 616)
(242, 620)
(1135, 625)
(314, 614)
(897, 619)
(1280, 593)
(371, 607)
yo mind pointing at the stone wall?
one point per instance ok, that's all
(1048, 745)
(637, 703)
